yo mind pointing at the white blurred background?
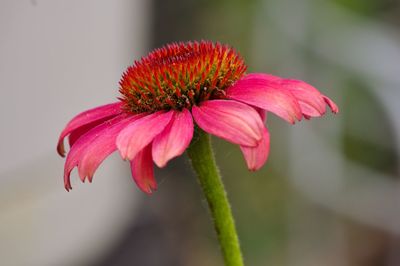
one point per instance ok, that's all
(57, 59)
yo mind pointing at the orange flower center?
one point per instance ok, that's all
(180, 75)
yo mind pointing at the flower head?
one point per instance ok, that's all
(165, 91)
(179, 76)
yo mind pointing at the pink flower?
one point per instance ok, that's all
(172, 88)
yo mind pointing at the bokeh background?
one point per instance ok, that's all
(329, 194)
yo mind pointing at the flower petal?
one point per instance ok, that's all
(262, 114)
(76, 152)
(85, 118)
(257, 156)
(265, 92)
(143, 171)
(100, 148)
(77, 133)
(230, 120)
(174, 139)
(311, 101)
(331, 104)
(137, 135)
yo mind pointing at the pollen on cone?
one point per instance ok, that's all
(180, 75)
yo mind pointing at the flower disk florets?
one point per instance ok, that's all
(180, 75)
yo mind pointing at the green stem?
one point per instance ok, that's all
(202, 157)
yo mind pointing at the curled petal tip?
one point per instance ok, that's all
(161, 163)
(60, 147)
(67, 180)
(148, 190)
(82, 176)
(332, 105)
(68, 186)
(148, 186)
(122, 153)
(84, 121)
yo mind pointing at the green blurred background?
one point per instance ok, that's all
(329, 193)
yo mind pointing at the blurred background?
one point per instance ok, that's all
(329, 194)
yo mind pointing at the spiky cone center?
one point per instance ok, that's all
(180, 75)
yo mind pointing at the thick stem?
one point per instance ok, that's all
(202, 157)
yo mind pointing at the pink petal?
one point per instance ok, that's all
(76, 152)
(87, 117)
(174, 139)
(77, 133)
(257, 156)
(142, 170)
(331, 104)
(140, 133)
(310, 99)
(100, 148)
(264, 91)
(230, 120)
(262, 114)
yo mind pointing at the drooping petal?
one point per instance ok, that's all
(75, 154)
(230, 120)
(77, 133)
(257, 156)
(174, 139)
(138, 134)
(85, 118)
(264, 91)
(101, 147)
(143, 171)
(311, 101)
(331, 104)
